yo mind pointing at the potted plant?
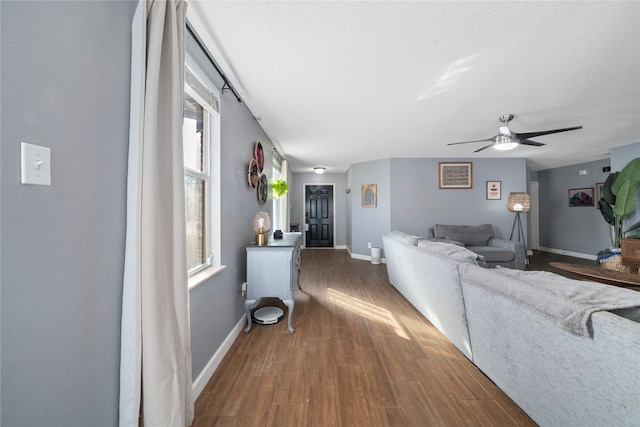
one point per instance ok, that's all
(280, 187)
(620, 197)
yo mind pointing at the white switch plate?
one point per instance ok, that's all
(36, 164)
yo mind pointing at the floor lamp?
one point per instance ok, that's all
(519, 202)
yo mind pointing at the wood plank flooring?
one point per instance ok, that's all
(361, 355)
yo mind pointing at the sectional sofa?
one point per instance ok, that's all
(566, 351)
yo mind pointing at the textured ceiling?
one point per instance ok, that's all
(338, 83)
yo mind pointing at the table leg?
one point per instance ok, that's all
(247, 310)
(290, 304)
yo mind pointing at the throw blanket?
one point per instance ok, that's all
(567, 303)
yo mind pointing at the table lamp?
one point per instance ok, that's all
(261, 226)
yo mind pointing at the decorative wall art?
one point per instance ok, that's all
(454, 175)
(258, 154)
(263, 189)
(599, 195)
(369, 195)
(252, 174)
(581, 197)
(257, 179)
(494, 190)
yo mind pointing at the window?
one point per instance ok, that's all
(201, 147)
(276, 172)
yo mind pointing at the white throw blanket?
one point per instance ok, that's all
(567, 303)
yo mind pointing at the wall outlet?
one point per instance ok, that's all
(244, 289)
(369, 245)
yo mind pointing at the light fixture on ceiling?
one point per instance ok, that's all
(504, 142)
(319, 170)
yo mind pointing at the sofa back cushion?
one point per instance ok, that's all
(404, 237)
(478, 235)
(457, 253)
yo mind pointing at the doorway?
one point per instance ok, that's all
(534, 218)
(318, 202)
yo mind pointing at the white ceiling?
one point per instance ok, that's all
(338, 83)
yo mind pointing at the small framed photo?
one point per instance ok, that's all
(369, 195)
(494, 190)
(455, 175)
(599, 193)
(581, 197)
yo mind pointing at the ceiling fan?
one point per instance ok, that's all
(507, 140)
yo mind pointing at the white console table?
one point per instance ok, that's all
(272, 270)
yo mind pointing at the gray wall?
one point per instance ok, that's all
(65, 85)
(409, 199)
(369, 224)
(580, 230)
(340, 199)
(217, 305)
(418, 203)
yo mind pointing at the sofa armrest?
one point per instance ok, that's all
(453, 242)
(517, 247)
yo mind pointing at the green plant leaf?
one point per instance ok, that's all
(607, 194)
(279, 187)
(607, 211)
(630, 173)
(625, 199)
(634, 227)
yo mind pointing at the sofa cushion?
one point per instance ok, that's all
(469, 235)
(404, 237)
(457, 253)
(493, 254)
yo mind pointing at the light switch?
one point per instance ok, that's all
(36, 164)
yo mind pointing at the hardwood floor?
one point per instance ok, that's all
(361, 356)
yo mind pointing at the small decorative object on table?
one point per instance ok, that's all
(261, 226)
(610, 259)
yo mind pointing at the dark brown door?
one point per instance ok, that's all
(319, 215)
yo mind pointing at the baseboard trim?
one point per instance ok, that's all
(365, 257)
(200, 383)
(569, 253)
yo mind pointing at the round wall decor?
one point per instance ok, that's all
(253, 174)
(259, 156)
(263, 189)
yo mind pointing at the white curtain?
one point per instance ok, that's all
(284, 172)
(155, 371)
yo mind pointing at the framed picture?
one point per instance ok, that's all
(599, 195)
(494, 190)
(581, 197)
(369, 195)
(454, 175)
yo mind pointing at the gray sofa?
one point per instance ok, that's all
(480, 239)
(567, 352)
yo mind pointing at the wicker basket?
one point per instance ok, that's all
(614, 263)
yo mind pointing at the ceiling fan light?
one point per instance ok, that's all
(504, 142)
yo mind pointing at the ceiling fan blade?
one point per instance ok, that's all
(545, 132)
(483, 148)
(529, 142)
(469, 142)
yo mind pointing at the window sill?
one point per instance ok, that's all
(202, 276)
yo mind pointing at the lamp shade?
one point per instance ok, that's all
(261, 222)
(519, 202)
